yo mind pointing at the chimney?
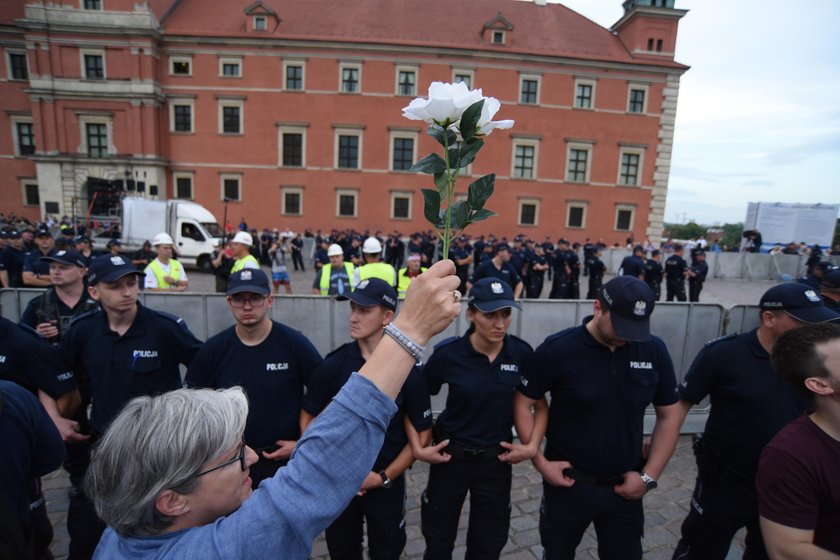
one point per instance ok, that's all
(540, 2)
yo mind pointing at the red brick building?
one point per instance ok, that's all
(292, 109)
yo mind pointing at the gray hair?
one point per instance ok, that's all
(156, 444)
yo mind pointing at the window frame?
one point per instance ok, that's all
(291, 190)
(588, 148)
(87, 134)
(406, 69)
(521, 203)
(414, 136)
(180, 59)
(350, 66)
(497, 33)
(463, 72)
(83, 6)
(583, 206)
(291, 129)
(181, 102)
(630, 150)
(226, 102)
(261, 18)
(100, 53)
(346, 192)
(339, 132)
(30, 182)
(579, 82)
(645, 91)
(15, 121)
(406, 195)
(11, 67)
(176, 175)
(296, 64)
(231, 60)
(524, 143)
(619, 207)
(529, 78)
(230, 177)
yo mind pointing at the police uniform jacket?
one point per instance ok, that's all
(750, 402)
(273, 374)
(598, 397)
(488, 269)
(674, 268)
(143, 361)
(412, 401)
(701, 269)
(653, 272)
(31, 362)
(479, 404)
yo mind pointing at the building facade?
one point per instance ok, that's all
(289, 113)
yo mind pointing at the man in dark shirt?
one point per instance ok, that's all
(653, 272)
(697, 276)
(750, 404)
(596, 274)
(634, 265)
(36, 273)
(561, 271)
(675, 272)
(499, 267)
(11, 261)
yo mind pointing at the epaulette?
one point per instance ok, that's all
(85, 315)
(339, 349)
(174, 318)
(446, 342)
(558, 335)
(720, 339)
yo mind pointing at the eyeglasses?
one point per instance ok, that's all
(240, 457)
(239, 300)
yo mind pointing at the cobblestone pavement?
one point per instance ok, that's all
(665, 508)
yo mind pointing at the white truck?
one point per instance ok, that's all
(193, 228)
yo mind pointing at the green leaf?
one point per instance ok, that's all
(481, 215)
(468, 151)
(430, 164)
(469, 119)
(442, 182)
(460, 214)
(431, 205)
(441, 219)
(480, 190)
(437, 132)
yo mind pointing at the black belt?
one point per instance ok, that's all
(592, 480)
(473, 453)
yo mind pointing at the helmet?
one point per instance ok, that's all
(334, 250)
(244, 238)
(372, 245)
(162, 239)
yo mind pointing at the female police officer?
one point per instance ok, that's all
(474, 431)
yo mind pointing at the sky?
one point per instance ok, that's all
(758, 114)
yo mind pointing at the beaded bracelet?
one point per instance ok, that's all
(405, 342)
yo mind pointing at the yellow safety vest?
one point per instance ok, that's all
(175, 269)
(383, 271)
(240, 263)
(403, 280)
(326, 272)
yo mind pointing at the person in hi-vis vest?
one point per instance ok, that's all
(241, 244)
(165, 274)
(373, 268)
(334, 279)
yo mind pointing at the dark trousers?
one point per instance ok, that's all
(595, 284)
(716, 514)
(83, 525)
(559, 286)
(533, 290)
(384, 512)
(488, 483)
(297, 259)
(694, 289)
(657, 289)
(675, 290)
(565, 513)
(264, 468)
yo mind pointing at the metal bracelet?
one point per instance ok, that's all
(405, 342)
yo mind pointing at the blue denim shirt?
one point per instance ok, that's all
(287, 512)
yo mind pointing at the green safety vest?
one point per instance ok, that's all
(240, 263)
(175, 269)
(403, 280)
(383, 271)
(326, 273)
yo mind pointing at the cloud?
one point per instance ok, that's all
(797, 153)
(715, 176)
(758, 183)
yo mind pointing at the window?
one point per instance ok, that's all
(528, 87)
(584, 94)
(292, 201)
(346, 203)
(402, 152)
(183, 185)
(93, 65)
(576, 215)
(292, 149)
(465, 76)
(498, 37)
(230, 67)
(231, 187)
(24, 134)
(636, 100)
(92, 4)
(401, 206)
(577, 169)
(650, 45)
(231, 116)
(351, 78)
(294, 76)
(180, 66)
(524, 160)
(260, 23)
(97, 139)
(181, 115)
(348, 145)
(528, 212)
(406, 81)
(629, 173)
(30, 194)
(659, 45)
(18, 67)
(624, 218)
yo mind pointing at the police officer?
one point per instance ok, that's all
(372, 267)
(562, 271)
(481, 369)
(82, 245)
(588, 253)
(697, 275)
(750, 404)
(123, 350)
(381, 499)
(596, 274)
(814, 279)
(11, 261)
(36, 273)
(499, 267)
(602, 376)
(830, 290)
(537, 265)
(51, 312)
(462, 255)
(165, 273)
(675, 272)
(336, 277)
(634, 265)
(271, 361)
(653, 273)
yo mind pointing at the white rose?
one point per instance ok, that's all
(446, 102)
(485, 123)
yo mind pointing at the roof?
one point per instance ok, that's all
(551, 30)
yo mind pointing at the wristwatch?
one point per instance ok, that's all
(650, 482)
(386, 482)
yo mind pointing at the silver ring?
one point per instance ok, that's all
(457, 295)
